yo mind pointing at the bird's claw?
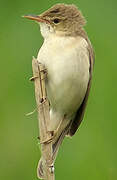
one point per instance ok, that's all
(49, 140)
(46, 141)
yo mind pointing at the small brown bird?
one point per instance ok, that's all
(68, 56)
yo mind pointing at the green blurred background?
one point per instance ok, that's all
(92, 153)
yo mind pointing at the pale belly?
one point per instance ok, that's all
(68, 75)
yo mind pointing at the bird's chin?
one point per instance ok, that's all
(46, 29)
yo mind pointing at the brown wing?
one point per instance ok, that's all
(80, 113)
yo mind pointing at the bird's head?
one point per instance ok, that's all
(60, 19)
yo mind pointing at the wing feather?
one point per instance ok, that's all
(80, 112)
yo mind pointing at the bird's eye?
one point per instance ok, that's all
(56, 21)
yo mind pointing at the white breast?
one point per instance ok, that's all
(67, 63)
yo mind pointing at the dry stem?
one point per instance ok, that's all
(39, 75)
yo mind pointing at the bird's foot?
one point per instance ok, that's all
(48, 140)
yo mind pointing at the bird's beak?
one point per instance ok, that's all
(36, 18)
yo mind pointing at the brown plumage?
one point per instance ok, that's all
(71, 18)
(80, 112)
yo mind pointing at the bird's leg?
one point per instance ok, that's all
(53, 134)
(56, 132)
(59, 128)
